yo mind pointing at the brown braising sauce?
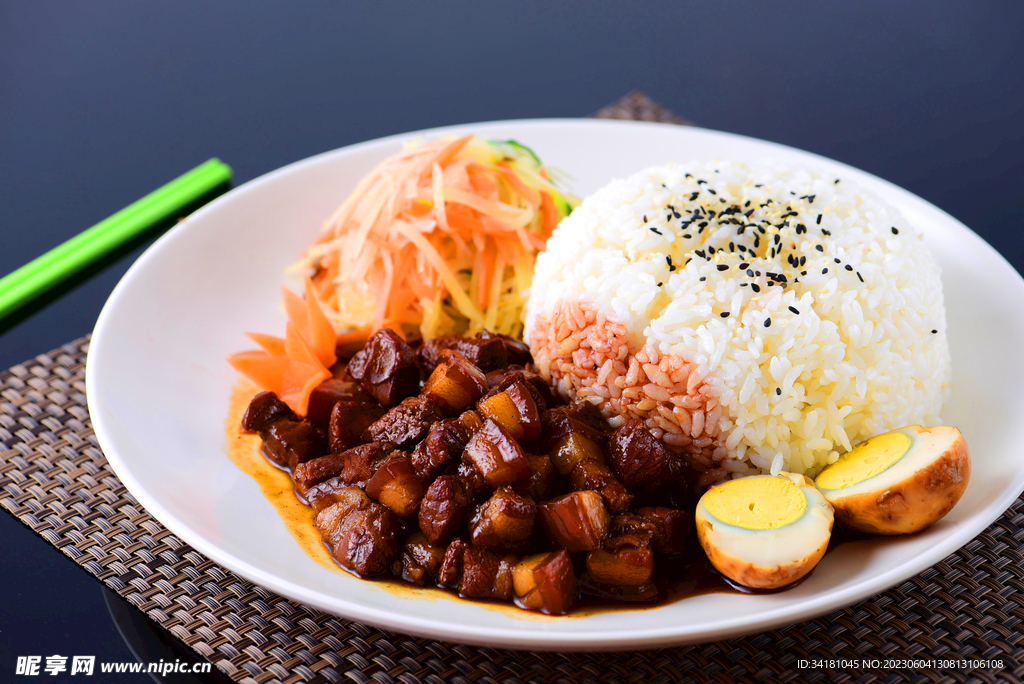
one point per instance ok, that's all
(678, 578)
(244, 451)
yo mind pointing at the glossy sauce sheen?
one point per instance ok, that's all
(680, 578)
(244, 451)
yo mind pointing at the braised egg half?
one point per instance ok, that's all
(898, 482)
(764, 531)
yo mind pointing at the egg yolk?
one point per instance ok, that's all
(756, 503)
(865, 460)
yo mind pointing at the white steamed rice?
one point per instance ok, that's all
(624, 313)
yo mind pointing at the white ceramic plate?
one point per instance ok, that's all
(158, 390)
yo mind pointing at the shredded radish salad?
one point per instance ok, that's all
(438, 239)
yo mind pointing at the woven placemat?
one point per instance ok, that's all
(635, 106)
(54, 478)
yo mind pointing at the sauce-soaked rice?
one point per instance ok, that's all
(592, 357)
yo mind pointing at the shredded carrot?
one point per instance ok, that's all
(518, 185)
(438, 239)
(321, 331)
(411, 237)
(507, 250)
(547, 208)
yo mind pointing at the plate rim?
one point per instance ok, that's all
(498, 636)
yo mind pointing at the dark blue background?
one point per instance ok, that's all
(101, 102)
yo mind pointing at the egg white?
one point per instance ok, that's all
(926, 446)
(770, 548)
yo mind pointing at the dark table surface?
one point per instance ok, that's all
(102, 102)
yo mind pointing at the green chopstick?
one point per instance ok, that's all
(63, 261)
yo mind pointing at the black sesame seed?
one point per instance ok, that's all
(694, 195)
(835, 181)
(767, 322)
(894, 231)
(795, 310)
(750, 272)
(712, 191)
(824, 271)
(686, 235)
(801, 273)
(848, 267)
(837, 261)
(819, 219)
(645, 218)
(660, 284)
(758, 185)
(732, 247)
(778, 391)
(744, 284)
(703, 278)
(935, 332)
(859, 277)
(826, 232)
(819, 248)
(724, 314)
(755, 287)
(655, 230)
(803, 260)
(810, 198)
(744, 264)
(723, 267)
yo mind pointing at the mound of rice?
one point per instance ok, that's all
(757, 317)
